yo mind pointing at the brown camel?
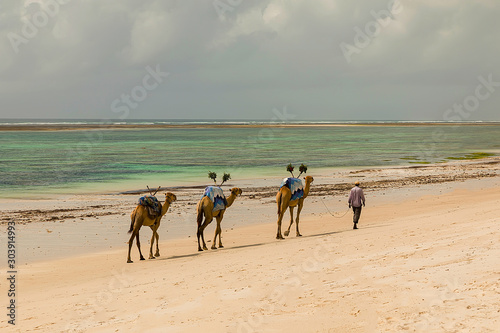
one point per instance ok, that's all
(139, 218)
(205, 207)
(283, 199)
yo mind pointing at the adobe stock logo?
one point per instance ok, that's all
(223, 6)
(139, 93)
(362, 39)
(471, 103)
(38, 20)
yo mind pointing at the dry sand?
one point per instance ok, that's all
(425, 259)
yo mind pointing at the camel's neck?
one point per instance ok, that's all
(164, 208)
(230, 200)
(306, 189)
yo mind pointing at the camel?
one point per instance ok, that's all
(283, 199)
(205, 207)
(139, 218)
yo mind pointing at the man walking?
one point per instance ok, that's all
(356, 199)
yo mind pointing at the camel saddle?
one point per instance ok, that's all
(215, 194)
(295, 185)
(152, 204)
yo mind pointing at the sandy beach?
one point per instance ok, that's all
(425, 259)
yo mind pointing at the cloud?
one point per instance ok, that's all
(256, 56)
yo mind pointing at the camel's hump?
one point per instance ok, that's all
(295, 185)
(216, 195)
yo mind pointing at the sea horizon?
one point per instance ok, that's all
(94, 121)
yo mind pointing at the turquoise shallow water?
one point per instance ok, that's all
(38, 162)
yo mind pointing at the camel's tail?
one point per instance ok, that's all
(199, 217)
(132, 220)
(278, 200)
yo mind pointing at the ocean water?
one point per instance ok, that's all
(41, 163)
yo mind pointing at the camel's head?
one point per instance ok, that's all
(170, 197)
(236, 191)
(309, 179)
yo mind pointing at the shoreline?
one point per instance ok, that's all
(423, 266)
(257, 181)
(105, 126)
(83, 224)
(319, 210)
(413, 175)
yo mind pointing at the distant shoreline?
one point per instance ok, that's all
(106, 126)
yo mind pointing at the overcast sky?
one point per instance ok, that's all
(240, 59)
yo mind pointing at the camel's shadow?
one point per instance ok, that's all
(191, 255)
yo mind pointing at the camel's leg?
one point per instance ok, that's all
(218, 231)
(299, 208)
(137, 224)
(157, 254)
(138, 244)
(130, 243)
(157, 236)
(152, 242)
(207, 222)
(278, 234)
(281, 211)
(198, 234)
(154, 237)
(287, 232)
(201, 229)
(203, 240)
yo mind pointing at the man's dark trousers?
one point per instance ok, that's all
(357, 214)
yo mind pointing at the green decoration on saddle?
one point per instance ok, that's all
(290, 168)
(302, 169)
(213, 176)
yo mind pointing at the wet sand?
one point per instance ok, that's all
(336, 183)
